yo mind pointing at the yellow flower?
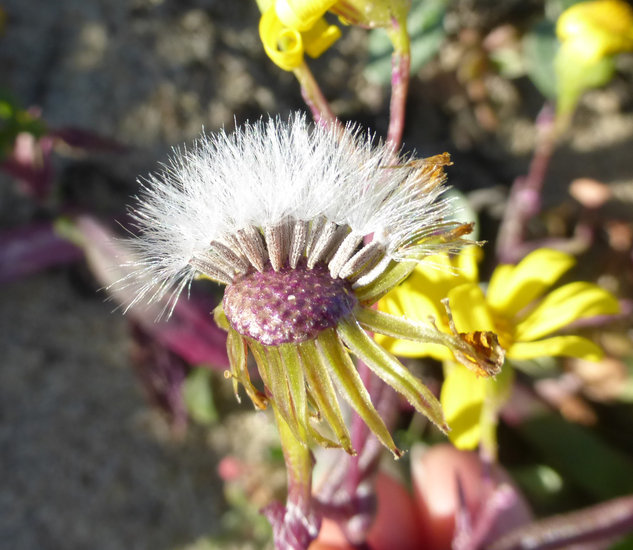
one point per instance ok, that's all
(302, 14)
(515, 306)
(419, 297)
(597, 29)
(286, 45)
(290, 28)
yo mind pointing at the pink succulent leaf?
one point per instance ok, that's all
(190, 333)
(502, 510)
(30, 163)
(33, 248)
(162, 374)
(87, 140)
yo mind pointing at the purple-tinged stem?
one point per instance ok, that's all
(296, 524)
(346, 494)
(525, 195)
(501, 508)
(400, 67)
(313, 96)
(590, 526)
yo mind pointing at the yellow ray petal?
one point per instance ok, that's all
(436, 275)
(282, 44)
(512, 288)
(469, 308)
(564, 305)
(467, 264)
(462, 397)
(597, 28)
(568, 346)
(412, 300)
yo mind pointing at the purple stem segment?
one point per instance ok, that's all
(313, 97)
(400, 66)
(591, 527)
(296, 524)
(526, 193)
(400, 69)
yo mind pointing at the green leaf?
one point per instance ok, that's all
(425, 23)
(543, 486)
(198, 395)
(580, 456)
(540, 46)
(625, 544)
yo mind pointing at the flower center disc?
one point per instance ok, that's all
(287, 306)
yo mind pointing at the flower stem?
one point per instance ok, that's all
(400, 65)
(313, 96)
(526, 193)
(297, 524)
(591, 527)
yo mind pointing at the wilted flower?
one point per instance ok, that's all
(281, 214)
(288, 28)
(286, 44)
(515, 306)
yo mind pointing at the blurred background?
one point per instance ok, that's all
(104, 89)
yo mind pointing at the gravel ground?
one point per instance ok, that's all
(82, 465)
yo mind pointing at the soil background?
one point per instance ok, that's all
(84, 462)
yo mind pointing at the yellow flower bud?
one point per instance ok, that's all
(320, 37)
(286, 46)
(597, 28)
(301, 14)
(282, 44)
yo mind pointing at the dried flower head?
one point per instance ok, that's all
(282, 214)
